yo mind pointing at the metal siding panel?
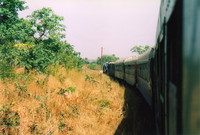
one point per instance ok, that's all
(130, 71)
(130, 79)
(191, 67)
(119, 74)
(145, 90)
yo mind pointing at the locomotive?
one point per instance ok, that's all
(168, 75)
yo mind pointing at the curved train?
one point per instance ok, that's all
(168, 75)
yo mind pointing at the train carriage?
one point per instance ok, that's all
(144, 82)
(176, 68)
(111, 69)
(169, 74)
(130, 70)
(119, 69)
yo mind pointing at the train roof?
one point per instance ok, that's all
(120, 61)
(146, 56)
(111, 62)
(131, 60)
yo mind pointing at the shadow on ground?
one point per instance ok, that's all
(138, 116)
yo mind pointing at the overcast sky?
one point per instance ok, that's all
(115, 25)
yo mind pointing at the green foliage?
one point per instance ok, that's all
(94, 66)
(75, 110)
(103, 103)
(140, 49)
(46, 25)
(20, 88)
(86, 61)
(64, 127)
(8, 54)
(43, 82)
(9, 119)
(71, 89)
(9, 18)
(20, 31)
(37, 58)
(9, 9)
(7, 59)
(68, 57)
(35, 43)
(68, 90)
(90, 79)
(107, 58)
(6, 71)
(61, 126)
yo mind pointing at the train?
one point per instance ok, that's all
(168, 74)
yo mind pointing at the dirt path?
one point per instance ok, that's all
(138, 115)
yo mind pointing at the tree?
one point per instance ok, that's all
(9, 10)
(9, 18)
(34, 43)
(44, 30)
(140, 49)
(107, 58)
(46, 25)
(20, 32)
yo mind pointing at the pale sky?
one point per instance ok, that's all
(115, 25)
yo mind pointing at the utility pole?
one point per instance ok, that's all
(101, 55)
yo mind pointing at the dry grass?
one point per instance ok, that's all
(70, 102)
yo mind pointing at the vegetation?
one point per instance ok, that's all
(140, 49)
(71, 102)
(94, 66)
(35, 43)
(107, 58)
(9, 120)
(43, 87)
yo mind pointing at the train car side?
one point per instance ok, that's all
(169, 74)
(144, 81)
(111, 69)
(130, 70)
(176, 71)
(119, 69)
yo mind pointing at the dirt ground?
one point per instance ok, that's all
(139, 118)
